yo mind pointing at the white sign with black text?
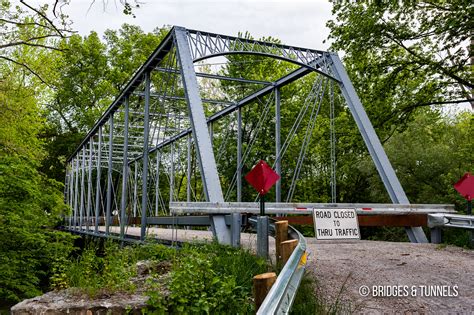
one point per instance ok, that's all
(336, 224)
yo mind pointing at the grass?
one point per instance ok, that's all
(202, 278)
(107, 268)
(310, 299)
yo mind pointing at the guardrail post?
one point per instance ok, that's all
(235, 229)
(261, 286)
(281, 235)
(436, 237)
(262, 236)
(287, 248)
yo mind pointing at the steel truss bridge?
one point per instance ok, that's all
(164, 143)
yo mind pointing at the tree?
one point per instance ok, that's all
(30, 203)
(89, 75)
(406, 55)
(24, 25)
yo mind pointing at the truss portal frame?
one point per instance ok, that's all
(118, 150)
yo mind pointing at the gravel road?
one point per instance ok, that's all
(409, 271)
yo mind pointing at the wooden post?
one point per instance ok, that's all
(261, 286)
(281, 235)
(287, 248)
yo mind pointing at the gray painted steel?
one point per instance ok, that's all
(204, 151)
(76, 190)
(135, 189)
(89, 187)
(277, 145)
(83, 175)
(239, 155)
(262, 236)
(109, 176)
(236, 223)
(188, 169)
(146, 134)
(98, 188)
(305, 208)
(171, 187)
(383, 165)
(157, 183)
(123, 201)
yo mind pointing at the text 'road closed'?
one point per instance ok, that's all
(331, 224)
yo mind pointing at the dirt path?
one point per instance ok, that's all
(401, 269)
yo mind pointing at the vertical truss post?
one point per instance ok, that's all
(172, 173)
(89, 186)
(332, 137)
(277, 145)
(83, 175)
(76, 191)
(239, 154)
(211, 183)
(384, 168)
(146, 134)
(109, 176)
(135, 186)
(123, 201)
(188, 174)
(71, 190)
(98, 188)
(157, 184)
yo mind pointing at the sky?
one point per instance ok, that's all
(294, 22)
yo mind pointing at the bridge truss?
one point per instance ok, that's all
(164, 137)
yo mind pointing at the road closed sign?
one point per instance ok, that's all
(336, 224)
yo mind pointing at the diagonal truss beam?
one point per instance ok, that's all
(204, 151)
(372, 141)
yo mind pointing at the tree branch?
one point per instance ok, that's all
(43, 16)
(431, 63)
(26, 67)
(35, 24)
(30, 44)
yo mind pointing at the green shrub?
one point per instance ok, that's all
(109, 270)
(209, 279)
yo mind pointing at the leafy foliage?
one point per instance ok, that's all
(405, 54)
(30, 203)
(107, 268)
(209, 279)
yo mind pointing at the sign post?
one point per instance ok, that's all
(465, 187)
(262, 177)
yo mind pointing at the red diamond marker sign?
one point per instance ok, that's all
(465, 186)
(262, 177)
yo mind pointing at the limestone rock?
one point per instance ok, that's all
(65, 302)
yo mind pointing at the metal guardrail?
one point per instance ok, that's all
(283, 292)
(305, 208)
(436, 220)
